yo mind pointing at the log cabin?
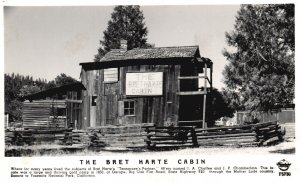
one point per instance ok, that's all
(159, 86)
(56, 108)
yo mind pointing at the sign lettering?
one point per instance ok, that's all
(144, 84)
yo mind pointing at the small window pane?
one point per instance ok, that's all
(129, 107)
(126, 111)
(126, 104)
(131, 111)
(131, 104)
(94, 99)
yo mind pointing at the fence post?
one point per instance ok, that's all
(148, 141)
(194, 137)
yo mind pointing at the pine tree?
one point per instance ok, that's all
(261, 68)
(127, 22)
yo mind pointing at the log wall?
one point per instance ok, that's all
(38, 114)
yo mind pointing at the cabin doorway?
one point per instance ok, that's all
(190, 113)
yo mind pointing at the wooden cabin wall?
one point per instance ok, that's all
(110, 97)
(153, 109)
(38, 114)
(85, 122)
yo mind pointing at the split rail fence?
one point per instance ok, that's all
(153, 137)
(244, 135)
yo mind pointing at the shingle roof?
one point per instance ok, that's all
(53, 91)
(152, 53)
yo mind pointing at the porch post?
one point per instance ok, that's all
(204, 97)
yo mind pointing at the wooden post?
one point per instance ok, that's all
(211, 78)
(6, 119)
(194, 137)
(204, 97)
(178, 84)
(75, 125)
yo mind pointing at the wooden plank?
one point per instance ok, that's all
(192, 77)
(139, 110)
(73, 101)
(192, 93)
(226, 136)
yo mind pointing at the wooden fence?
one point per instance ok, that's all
(137, 136)
(170, 137)
(114, 137)
(284, 116)
(33, 137)
(242, 135)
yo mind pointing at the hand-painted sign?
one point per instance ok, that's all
(144, 84)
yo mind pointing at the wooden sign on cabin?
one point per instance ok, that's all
(144, 84)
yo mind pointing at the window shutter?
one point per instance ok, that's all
(111, 75)
(121, 108)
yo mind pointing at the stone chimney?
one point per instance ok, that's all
(123, 45)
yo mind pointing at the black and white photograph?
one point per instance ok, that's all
(135, 80)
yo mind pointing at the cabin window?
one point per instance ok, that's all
(111, 75)
(94, 99)
(129, 108)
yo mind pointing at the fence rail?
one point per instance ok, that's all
(153, 137)
(170, 136)
(243, 135)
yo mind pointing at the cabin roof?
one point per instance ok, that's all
(53, 91)
(152, 53)
(152, 56)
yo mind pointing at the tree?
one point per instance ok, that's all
(127, 22)
(28, 90)
(17, 86)
(63, 79)
(217, 107)
(261, 68)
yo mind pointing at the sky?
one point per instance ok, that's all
(45, 41)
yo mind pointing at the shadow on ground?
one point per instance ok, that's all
(284, 151)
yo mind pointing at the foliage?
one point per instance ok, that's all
(261, 69)
(127, 22)
(17, 86)
(63, 79)
(28, 90)
(217, 107)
